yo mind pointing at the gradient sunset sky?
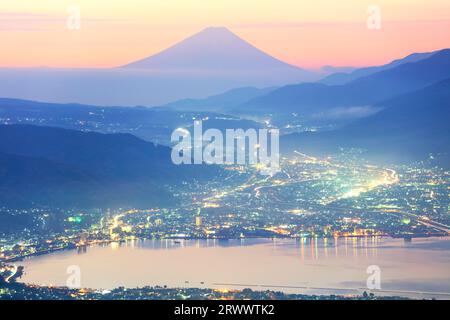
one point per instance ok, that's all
(309, 34)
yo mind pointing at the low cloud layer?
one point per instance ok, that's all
(344, 113)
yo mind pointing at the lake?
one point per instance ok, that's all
(417, 268)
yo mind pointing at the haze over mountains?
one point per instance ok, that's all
(398, 112)
(404, 107)
(223, 102)
(150, 124)
(317, 104)
(212, 61)
(410, 127)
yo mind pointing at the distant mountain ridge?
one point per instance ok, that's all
(312, 98)
(220, 102)
(332, 70)
(346, 77)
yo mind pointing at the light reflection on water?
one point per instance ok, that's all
(291, 265)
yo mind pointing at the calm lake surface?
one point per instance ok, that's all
(408, 268)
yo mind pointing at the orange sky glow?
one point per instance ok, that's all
(309, 34)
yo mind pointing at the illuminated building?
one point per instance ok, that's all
(198, 221)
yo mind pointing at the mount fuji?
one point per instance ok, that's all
(217, 48)
(212, 61)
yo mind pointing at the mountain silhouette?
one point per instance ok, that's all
(346, 77)
(66, 168)
(214, 48)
